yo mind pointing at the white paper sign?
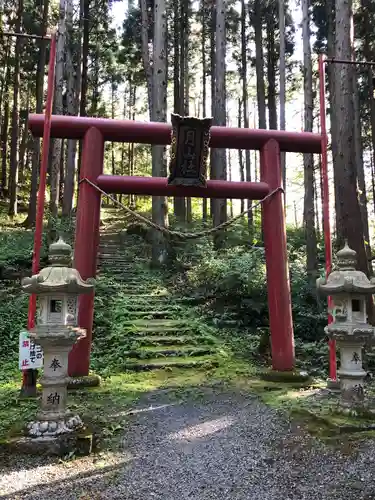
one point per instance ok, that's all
(30, 354)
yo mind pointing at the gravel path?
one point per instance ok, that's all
(218, 446)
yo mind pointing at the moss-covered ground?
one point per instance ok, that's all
(106, 407)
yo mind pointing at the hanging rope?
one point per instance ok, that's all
(178, 234)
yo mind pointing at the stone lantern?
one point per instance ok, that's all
(349, 290)
(57, 288)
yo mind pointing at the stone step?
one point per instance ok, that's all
(117, 263)
(170, 323)
(167, 314)
(108, 234)
(129, 289)
(175, 362)
(170, 340)
(118, 260)
(171, 351)
(150, 330)
(114, 268)
(144, 308)
(136, 288)
(112, 244)
(112, 250)
(114, 265)
(130, 266)
(115, 256)
(162, 298)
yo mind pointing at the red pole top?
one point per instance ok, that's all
(158, 186)
(69, 127)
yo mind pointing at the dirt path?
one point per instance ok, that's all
(216, 446)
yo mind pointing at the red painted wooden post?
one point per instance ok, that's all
(86, 244)
(274, 232)
(326, 215)
(29, 376)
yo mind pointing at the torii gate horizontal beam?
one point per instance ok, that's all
(158, 186)
(74, 127)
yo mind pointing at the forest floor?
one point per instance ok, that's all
(210, 442)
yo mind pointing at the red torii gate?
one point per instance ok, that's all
(95, 131)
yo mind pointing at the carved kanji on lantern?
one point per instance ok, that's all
(190, 138)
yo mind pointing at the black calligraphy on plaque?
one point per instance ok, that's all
(55, 364)
(32, 352)
(53, 399)
(356, 359)
(189, 167)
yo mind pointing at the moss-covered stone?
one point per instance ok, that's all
(91, 380)
(287, 376)
(78, 443)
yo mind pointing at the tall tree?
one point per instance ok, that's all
(145, 26)
(59, 110)
(245, 101)
(73, 71)
(240, 153)
(85, 57)
(271, 64)
(308, 159)
(256, 19)
(204, 79)
(358, 163)
(213, 89)
(24, 139)
(282, 80)
(219, 113)
(324, 18)
(4, 132)
(159, 114)
(43, 6)
(13, 176)
(185, 76)
(350, 224)
(180, 39)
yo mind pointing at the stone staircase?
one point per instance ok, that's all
(160, 330)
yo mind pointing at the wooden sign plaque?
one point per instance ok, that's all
(190, 138)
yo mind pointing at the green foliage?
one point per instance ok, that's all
(63, 227)
(13, 310)
(16, 247)
(233, 283)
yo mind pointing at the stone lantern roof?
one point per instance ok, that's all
(58, 277)
(346, 279)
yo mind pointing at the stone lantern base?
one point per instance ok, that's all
(54, 419)
(81, 442)
(52, 428)
(351, 372)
